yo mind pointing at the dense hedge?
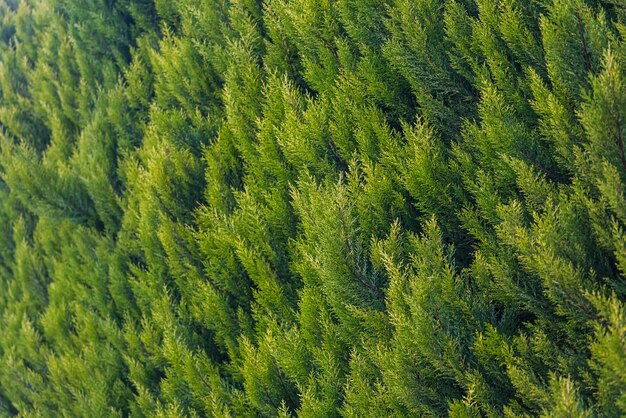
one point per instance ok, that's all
(360, 208)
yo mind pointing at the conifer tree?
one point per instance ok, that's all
(312, 208)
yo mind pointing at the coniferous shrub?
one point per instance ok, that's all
(356, 208)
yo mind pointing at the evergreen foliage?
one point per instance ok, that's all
(356, 208)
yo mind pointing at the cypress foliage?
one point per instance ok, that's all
(312, 208)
